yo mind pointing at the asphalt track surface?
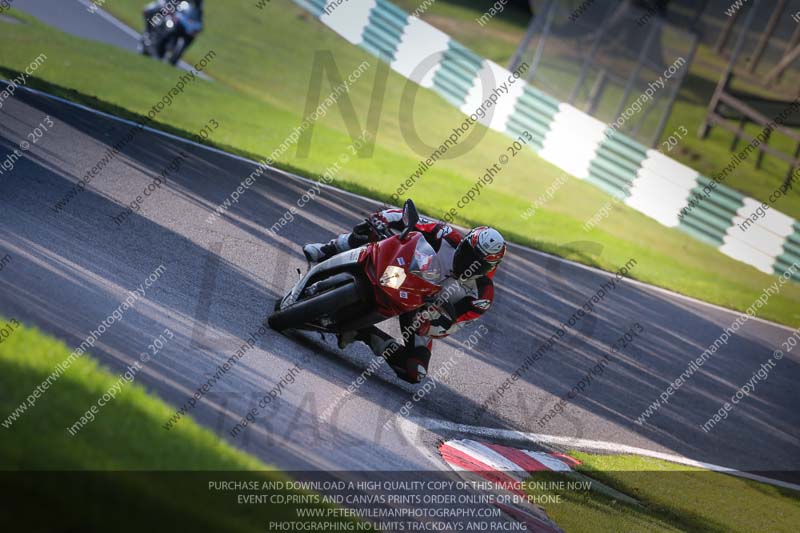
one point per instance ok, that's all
(70, 269)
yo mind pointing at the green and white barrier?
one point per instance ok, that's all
(644, 179)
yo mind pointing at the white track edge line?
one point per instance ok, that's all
(507, 434)
(371, 200)
(110, 18)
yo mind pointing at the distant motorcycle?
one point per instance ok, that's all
(169, 38)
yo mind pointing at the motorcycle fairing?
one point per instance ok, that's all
(343, 259)
(396, 294)
(190, 19)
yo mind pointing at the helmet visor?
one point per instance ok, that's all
(468, 264)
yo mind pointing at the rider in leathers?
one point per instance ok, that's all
(166, 7)
(154, 13)
(465, 296)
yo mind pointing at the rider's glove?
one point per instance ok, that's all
(379, 225)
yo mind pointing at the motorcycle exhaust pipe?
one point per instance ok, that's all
(328, 283)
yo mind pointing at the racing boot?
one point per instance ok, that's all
(409, 364)
(345, 339)
(319, 252)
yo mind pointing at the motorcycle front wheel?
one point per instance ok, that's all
(175, 50)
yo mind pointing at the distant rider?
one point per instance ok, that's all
(154, 14)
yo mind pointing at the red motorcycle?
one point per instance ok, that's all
(366, 285)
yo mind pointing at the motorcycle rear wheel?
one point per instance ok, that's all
(307, 311)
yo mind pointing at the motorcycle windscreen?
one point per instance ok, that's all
(426, 264)
(189, 16)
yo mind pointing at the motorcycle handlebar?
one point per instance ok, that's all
(381, 231)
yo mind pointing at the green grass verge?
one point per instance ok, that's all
(263, 71)
(672, 497)
(123, 468)
(498, 40)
